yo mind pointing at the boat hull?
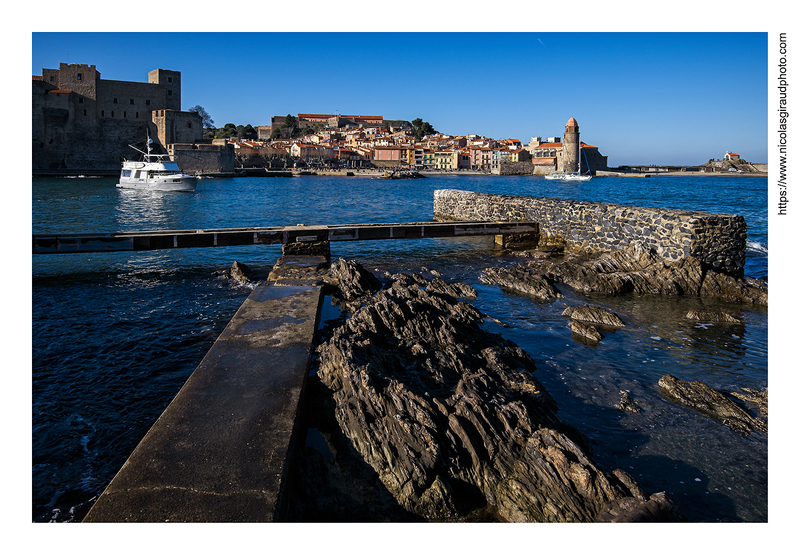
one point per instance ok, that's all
(184, 185)
(567, 177)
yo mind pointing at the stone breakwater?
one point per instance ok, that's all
(717, 240)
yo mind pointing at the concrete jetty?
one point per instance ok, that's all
(223, 449)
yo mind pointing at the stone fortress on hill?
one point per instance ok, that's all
(83, 124)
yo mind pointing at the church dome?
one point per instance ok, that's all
(572, 122)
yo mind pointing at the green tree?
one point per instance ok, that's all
(228, 130)
(290, 127)
(421, 128)
(249, 132)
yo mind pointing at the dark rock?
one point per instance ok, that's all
(240, 273)
(731, 289)
(352, 283)
(593, 315)
(712, 316)
(451, 421)
(586, 331)
(754, 397)
(626, 404)
(700, 397)
(521, 280)
(634, 270)
(454, 290)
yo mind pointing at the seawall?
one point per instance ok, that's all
(717, 240)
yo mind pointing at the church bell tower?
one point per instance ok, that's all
(571, 149)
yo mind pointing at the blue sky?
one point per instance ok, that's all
(662, 98)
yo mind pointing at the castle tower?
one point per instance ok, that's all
(170, 81)
(571, 150)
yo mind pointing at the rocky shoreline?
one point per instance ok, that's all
(420, 414)
(428, 417)
(634, 270)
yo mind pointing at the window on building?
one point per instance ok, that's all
(169, 92)
(115, 100)
(84, 112)
(80, 76)
(169, 79)
(190, 125)
(131, 102)
(137, 115)
(112, 113)
(102, 113)
(147, 102)
(124, 114)
(80, 100)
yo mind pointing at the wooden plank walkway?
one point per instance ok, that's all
(171, 239)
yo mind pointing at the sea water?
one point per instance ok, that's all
(115, 335)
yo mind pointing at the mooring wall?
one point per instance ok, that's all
(717, 240)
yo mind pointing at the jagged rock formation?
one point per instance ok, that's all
(450, 419)
(701, 397)
(712, 316)
(351, 283)
(754, 397)
(593, 315)
(240, 273)
(639, 270)
(585, 319)
(587, 332)
(521, 280)
(625, 403)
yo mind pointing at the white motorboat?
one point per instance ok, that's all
(155, 172)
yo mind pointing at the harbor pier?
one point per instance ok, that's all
(224, 448)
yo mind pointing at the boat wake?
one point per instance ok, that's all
(757, 248)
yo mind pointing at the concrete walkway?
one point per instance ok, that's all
(223, 450)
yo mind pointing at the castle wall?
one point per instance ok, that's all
(170, 83)
(203, 158)
(717, 240)
(595, 160)
(177, 127)
(84, 124)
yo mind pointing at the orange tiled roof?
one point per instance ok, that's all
(557, 145)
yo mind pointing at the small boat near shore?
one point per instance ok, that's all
(574, 176)
(155, 172)
(561, 176)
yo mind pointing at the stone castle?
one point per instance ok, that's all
(83, 124)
